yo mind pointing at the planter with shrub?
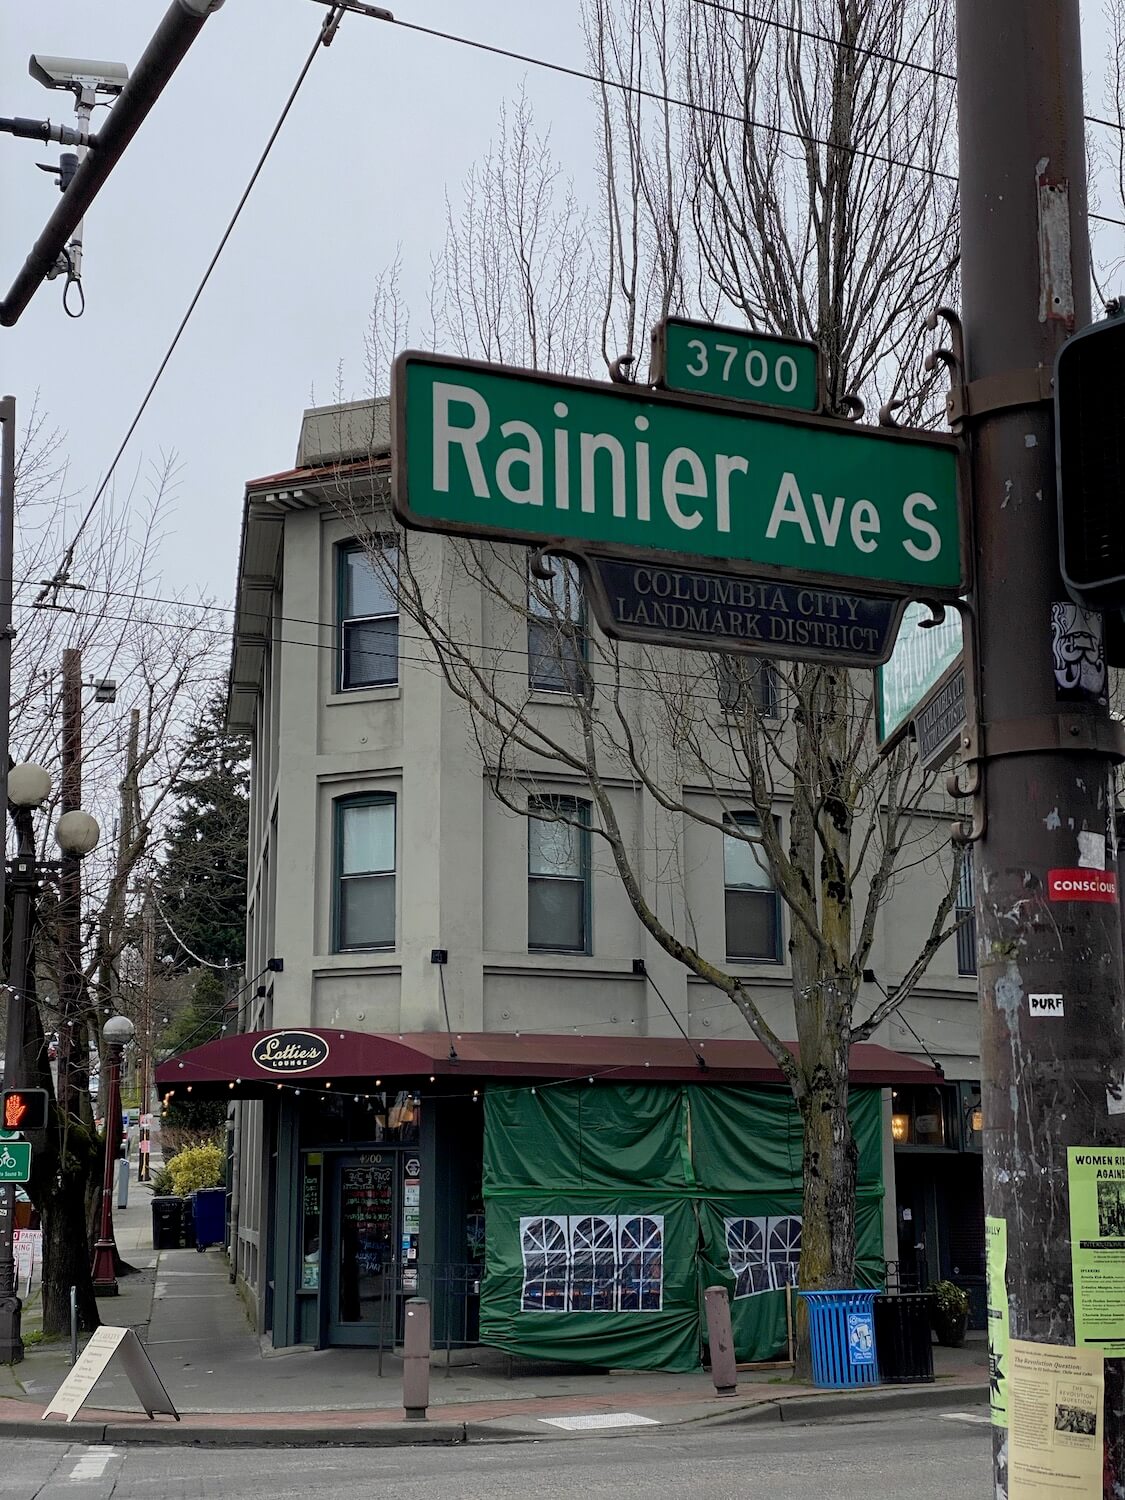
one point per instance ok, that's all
(949, 1313)
(197, 1167)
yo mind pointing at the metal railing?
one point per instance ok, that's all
(452, 1289)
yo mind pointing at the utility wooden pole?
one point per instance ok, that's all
(112, 927)
(148, 965)
(1048, 922)
(71, 1029)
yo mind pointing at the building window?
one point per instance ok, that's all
(745, 684)
(966, 914)
(365, 872)
(367, 611)
(753, 910)
(556, 630)
(924, 1115)
(558, 874)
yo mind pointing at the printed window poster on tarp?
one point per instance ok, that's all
(1097, 1245)
(763, 1252)
(592, 1262)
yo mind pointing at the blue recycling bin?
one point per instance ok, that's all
(842, 1330)
(209, 1216)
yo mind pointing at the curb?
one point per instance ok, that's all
(175, 1434)
(872, 1403)
(794, 1410)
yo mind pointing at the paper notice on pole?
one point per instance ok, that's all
(1055, 1397)
(996, 1250)
(1097, 1245)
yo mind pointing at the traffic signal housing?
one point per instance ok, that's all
(24, 1109)
(1090, 459)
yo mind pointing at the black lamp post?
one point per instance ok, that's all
(29, 786)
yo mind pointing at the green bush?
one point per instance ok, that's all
(197, 1167)
(950, 1300)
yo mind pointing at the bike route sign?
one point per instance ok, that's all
(582, 466)
(15, 1161)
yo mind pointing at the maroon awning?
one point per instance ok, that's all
(256, 1061)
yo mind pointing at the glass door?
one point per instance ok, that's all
(366, 1215)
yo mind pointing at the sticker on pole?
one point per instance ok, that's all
(1081, 885)
(1045, 1005)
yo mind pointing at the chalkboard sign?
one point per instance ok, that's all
(310, 1229)
(312, 1192)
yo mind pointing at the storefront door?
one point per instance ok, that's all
(363, 1279)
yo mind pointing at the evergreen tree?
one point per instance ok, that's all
(201, 1019)
(202, 881)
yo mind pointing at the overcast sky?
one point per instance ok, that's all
(386, 121)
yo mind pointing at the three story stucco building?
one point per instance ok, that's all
(463, 1067)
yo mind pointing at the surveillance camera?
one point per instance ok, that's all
(78, 73)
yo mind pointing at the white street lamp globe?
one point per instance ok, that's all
(77, 832)
(29, 785)
(118, 1031)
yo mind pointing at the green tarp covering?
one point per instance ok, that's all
(611, 1206)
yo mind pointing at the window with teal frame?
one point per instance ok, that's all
(558, 875)
(367, 616)
(556, 630)
(364, 876)
(753, 907)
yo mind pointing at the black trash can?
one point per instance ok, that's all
(167, 1223)
(187, 1223)
(902, 1338)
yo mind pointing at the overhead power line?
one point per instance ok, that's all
(376, 13)
(792, 29)
(449, 646)
(324, 39)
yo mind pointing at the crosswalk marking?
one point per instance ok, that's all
(600, 1419)
(967, 1416)
(93, 1463)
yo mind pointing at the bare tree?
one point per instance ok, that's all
(791, 170)
(164, 662)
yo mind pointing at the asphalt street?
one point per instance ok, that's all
(939, 1456)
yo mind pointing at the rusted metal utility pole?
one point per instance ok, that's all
(1048, 919)
(72, 1031)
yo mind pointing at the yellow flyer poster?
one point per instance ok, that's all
(1096, 1177)
(1055, 1397)
(996, 1250)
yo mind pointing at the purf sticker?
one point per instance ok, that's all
(1045, 1005)
(1081, 885)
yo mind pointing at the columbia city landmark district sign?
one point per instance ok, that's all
(665, 496)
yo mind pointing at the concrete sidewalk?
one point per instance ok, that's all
(232, 1388)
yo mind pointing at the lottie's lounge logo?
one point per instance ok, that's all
(290, 1052)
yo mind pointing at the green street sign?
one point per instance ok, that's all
(9, 1135)
(513, 455)
(15, 1161)
(921, 658)
(761, 368)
